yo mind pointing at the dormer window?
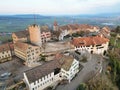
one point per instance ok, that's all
(81, 42)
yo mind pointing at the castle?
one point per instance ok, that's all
(28, 43)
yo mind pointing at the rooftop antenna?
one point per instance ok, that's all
(34, 18)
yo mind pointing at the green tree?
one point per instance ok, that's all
(82, 86)
(117, 29)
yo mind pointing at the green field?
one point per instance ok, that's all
(18, 22)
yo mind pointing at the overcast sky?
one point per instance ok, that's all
(59, 7)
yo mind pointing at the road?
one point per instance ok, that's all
(89, 71)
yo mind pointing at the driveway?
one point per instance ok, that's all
(89, 70)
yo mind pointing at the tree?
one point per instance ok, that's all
(117, 29)
(82, 86)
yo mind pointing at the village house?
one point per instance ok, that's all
(24, 36)
(21, 36)
(43, 76)
(93, 44)
(5, 52)
(69, 29)
(45, 34)
(69, 68)
(105, 32)
(27, 52)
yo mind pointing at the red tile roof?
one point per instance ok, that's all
(22, 46)
(4, 47)
(22, 34)
(87, 41)
(77, 26)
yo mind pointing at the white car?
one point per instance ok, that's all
(6, 74)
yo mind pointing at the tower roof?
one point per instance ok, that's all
(55, 23)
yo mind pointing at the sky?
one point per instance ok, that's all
(59, 7)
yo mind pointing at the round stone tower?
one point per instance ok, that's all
(35, 34)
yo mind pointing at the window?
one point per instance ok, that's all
(29, 48)
(28, 51)
(52, 79)
(98, 45)
(6, 56)
(37, 52)
(56, 71)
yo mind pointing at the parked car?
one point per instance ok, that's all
(6, 74)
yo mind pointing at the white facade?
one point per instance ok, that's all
(97, 49)
(52, 78)
(43, 82)
(70, 74)
(63, 33)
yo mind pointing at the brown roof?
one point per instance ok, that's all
(21, 45)
(73, 26)
(11, 45)
(44, 28)
(41, 71)
(64, 61)
(87, 41)
(56, 33)
(4, 47)
(67, 62)
(22, 34)
(64, 27)
(77, 26)
(86, 26)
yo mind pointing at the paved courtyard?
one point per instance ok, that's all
(16, 68)
(89, 70)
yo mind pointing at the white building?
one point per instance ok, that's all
(96, 44)
(42, 76)
(54, 71)
(63, 34)
(70, 68)
(69, 29)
